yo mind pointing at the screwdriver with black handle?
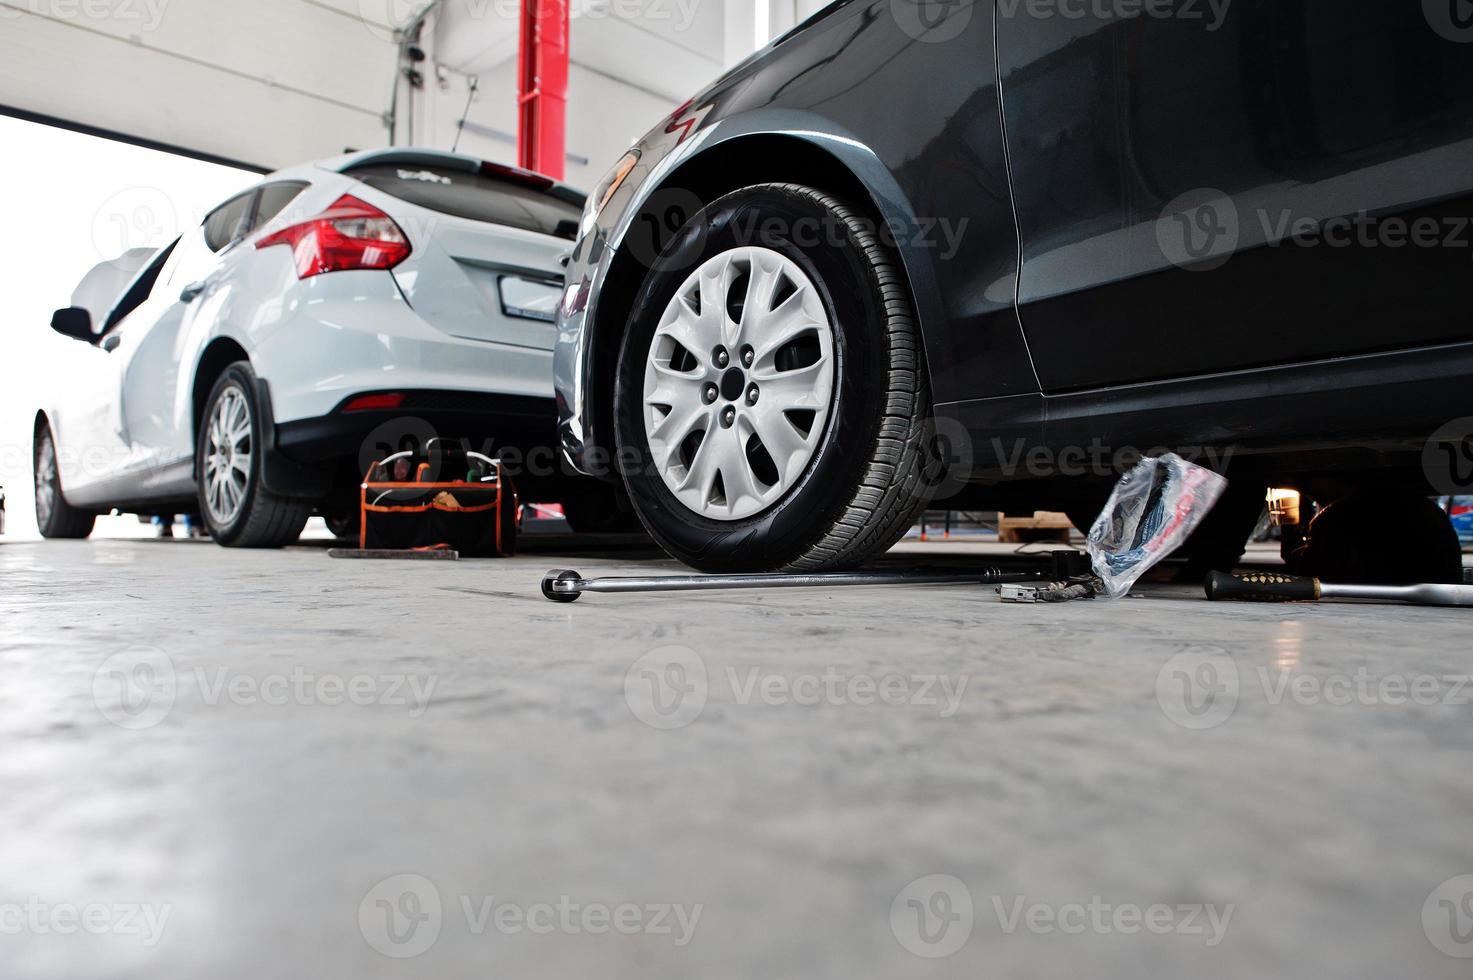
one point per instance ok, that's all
(1274, 587)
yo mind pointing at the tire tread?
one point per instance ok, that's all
(891, 495)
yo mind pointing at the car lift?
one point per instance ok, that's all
(542, 87)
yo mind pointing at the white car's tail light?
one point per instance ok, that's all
(351, 234)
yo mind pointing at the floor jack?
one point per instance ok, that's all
(564, 585)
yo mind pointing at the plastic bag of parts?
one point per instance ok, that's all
(1151, 512)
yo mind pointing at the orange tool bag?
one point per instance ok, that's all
(441, 498)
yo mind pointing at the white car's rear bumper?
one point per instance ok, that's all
(361, 336)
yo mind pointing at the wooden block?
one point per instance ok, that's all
(1044, 525)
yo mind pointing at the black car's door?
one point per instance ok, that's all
(1212, 185)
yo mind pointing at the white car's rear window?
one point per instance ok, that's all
(478, 196)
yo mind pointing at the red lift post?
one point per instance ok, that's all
(542, 87)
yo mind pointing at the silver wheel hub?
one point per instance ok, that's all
(45, 480)
(227, 469)
(739, 383)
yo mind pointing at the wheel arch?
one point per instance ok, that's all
(216, 357)
(722, 167)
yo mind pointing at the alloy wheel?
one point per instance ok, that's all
(738, 383)
(227, 470)
(45, 479)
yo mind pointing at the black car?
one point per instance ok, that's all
(990, 252)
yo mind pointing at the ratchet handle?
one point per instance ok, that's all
(1261, 587)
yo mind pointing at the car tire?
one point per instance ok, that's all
(868, 470)
(55, 518)
(234, 502)
(1219, 542)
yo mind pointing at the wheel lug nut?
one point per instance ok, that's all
(728, 417)
(722, 357)
(748, 355)
(710, 394)
(752, 395)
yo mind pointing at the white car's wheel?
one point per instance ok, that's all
(55, 518)
(234, 502)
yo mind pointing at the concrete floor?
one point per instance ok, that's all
(187, 788)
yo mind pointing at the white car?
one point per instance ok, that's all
(324, 317)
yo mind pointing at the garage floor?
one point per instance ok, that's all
(226, 764)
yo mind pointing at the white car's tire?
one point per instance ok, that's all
(234, 502)
(54, 516)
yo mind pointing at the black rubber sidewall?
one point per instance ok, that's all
(851, 294)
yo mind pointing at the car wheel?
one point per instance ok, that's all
(54, 516)
(237, 508)
(771, 398)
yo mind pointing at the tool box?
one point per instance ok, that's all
(443, 497)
